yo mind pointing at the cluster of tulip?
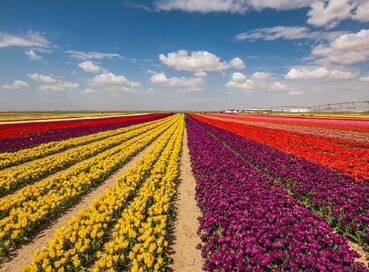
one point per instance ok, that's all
(139, 238)
(32, 206)
(340, 200)
(8, 159)
(250, 223)
(33, 134)
(74, 246)
(18, 176)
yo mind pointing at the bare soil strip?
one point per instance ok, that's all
(24, 254)
(356, 247)
(186, 257)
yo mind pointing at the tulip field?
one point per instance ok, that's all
(273, 193)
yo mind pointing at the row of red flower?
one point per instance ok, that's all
(340, 124)
(39, 137)
(14, 130)
(346, 159)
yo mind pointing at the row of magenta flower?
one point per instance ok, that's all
(266, 210)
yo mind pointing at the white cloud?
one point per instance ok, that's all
(114, 83)
(346, 49)
(279, 86)
(91, 55)
(198, 61)
(201, 74)
(261, 75)
(295, 92)
(191, 84)
(241, 82)
(232, 6)
(89, 91)
(287, 33)
(16, 85)
(362, 12)
(329, 13)
(59, 86)
(29, 39)
(42, 78)
(237, 63)
(31, 54)
(302, 73)
(90, 67)
(364, 79)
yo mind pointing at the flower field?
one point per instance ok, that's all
(101, 194)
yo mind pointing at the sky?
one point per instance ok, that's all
(182, 54)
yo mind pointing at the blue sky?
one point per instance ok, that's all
(182, 54)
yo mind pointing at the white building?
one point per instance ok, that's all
(300, 110)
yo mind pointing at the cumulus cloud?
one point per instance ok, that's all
(362, 12)
(16, 85)
(287, 33)
(91, 55)
(199, 61)
(232, 6)
(279, 86)
(302, 73)
(237, 63)
(114, 83)
(261, 75)
(90, 67)
(241, 82)
(59, 86)
(29, 39)
(31, 54)
(329, 13)
(191, 84)
(346, 49)
(42, 78)
(51, 84)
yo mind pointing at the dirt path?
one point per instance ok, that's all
(24, 254)
(186, 257)
(361, 251)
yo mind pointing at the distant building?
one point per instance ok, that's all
(300, 110)
(231, 111)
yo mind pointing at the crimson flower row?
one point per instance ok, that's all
(25, 141)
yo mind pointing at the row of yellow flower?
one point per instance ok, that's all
(8, 159)
(18, 176)
(23, 212)
(75, 245)
(139, 239)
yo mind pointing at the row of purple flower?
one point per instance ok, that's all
(250, 223)
(16, 143)
(338, 198)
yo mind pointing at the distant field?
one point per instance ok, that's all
(320, 114)
(24, 116)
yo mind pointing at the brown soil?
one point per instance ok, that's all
(186, 257)
(24, 254)
(359, 250)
